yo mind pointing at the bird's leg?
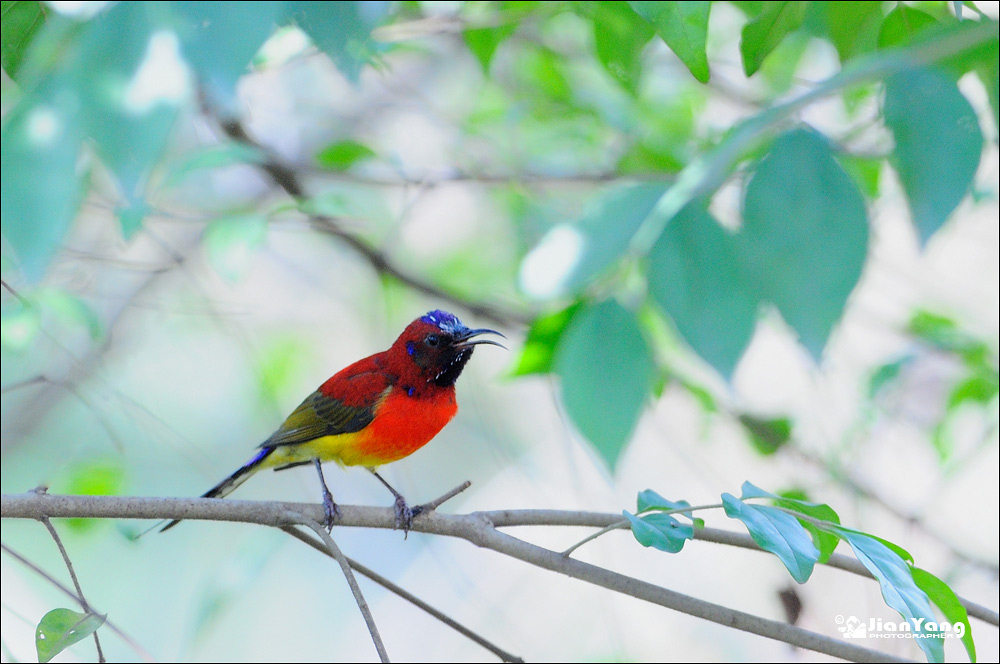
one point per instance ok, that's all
(404, 513)
(330, 510)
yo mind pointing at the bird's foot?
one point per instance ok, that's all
(405, 515)
(331, 512)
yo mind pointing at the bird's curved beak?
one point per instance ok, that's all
(464, 338)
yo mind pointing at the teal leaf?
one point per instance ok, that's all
(568, 257)
(778, 532)
(219, 39)
(684, 28)
(649, 500)
(938, 144)
(21, 21)
(763, 34)
(824, 540)
(950, 605)
(195, 162)
(805, 234)
(606, 372)
(342, 30)
(696, 277)
(886, 374)
(131, 93)
(39, 187)
(60, 628)
(899, 590)
(660, 531)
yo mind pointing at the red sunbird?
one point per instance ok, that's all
(376, 411)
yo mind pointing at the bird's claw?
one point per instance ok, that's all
(405, 515)
(331, 512)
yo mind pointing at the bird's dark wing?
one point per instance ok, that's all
(321, 415)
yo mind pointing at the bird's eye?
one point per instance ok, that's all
(432, 340)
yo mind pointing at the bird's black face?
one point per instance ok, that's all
(440, 345)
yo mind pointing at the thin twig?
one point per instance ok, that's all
(132, 643)
(288, 180)
(410, 597)
(13, 292)
(334, 551)
(76, 582)
(434, 504)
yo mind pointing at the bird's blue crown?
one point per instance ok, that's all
(445, 321)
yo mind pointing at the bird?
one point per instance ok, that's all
(378, 410)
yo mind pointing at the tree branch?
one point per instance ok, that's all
(331, 549)
(409, 597)
(477, 528)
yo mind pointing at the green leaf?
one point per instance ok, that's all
(684, 28)
(61, 628)
(898, 588)
(763, 34)
(947, 601)
(342, 155)
(92, 478)
(980, 388)
(281, 363)
(695, 275)
(231, 243)
(483, 42)
(619, 37)
(767, 435)
(660, 531)
(342, 30)
(606, 373)
(865, 171)
(901, 26)
(778, 532)
(19, 325)
(72, 309)
(219, 39)
(21, 21)
(539, 347)
(805, 234)
(853, 26)
(938, 144)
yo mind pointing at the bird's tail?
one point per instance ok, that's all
(228, 485)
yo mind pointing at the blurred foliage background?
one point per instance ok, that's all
(728, 241)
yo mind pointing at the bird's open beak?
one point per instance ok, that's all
(464, 339)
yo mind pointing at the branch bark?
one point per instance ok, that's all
(479, 528)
